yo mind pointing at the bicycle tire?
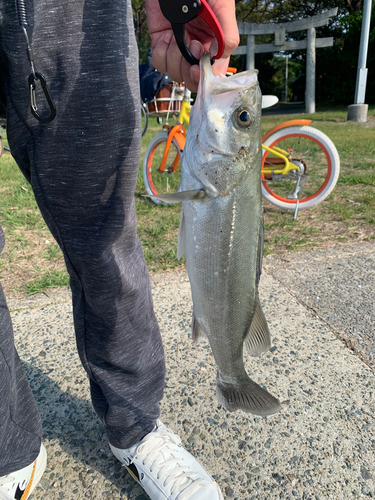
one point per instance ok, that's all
(144, 117)
(154, 181)
(1, 146)
(319, 156)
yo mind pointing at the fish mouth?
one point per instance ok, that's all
(206, 75)
(211, 85)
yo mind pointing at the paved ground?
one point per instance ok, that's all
(320, 446)
(285, 108)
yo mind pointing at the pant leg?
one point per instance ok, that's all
(83, 169)
(20, 424)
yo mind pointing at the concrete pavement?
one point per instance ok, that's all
(320, 446)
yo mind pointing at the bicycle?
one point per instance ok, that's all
(166, 148)
(144, 118)
(300, 164)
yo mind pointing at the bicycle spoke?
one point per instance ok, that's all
(310, 173)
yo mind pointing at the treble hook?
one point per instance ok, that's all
(33, 79)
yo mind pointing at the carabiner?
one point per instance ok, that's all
(33, 79)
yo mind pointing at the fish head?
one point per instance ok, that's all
(224, 143)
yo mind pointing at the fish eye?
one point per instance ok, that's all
(243, 117)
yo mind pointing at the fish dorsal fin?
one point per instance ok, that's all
(181, 246)
(258, 339)
(196, 331)
(194, 194)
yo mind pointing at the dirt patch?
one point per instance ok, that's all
(369, 123)
(26, 256)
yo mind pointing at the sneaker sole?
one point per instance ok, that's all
(41, 463)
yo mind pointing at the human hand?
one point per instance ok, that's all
(166, 56)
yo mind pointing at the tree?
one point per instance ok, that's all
(141, 31)
(338, 67)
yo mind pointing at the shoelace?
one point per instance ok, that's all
(161, 450)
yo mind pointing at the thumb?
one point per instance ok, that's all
(220, 67)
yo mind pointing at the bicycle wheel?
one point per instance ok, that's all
(1, 146)
(157, 182)
(144, 118)
(317, 168)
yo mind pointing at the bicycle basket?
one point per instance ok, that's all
(167, 100)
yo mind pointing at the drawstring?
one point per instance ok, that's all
(34, 77)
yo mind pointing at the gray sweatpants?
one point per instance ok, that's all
(83, 168)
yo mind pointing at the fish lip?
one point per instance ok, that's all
(205, 63)
(206, 74)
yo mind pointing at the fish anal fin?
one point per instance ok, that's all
(196, 331)
(181, 246)
(258, 338)
(247, 396)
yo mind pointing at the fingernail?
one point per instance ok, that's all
(168, 37)
(214, 48)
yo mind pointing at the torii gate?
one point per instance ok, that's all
(279, 30)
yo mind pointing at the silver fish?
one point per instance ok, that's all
(221, 231)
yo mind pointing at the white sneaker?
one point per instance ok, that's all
(165, 470)
(20, 484)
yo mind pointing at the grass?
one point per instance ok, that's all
(48, 279)
(32, 262)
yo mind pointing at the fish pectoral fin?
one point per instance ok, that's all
(196, 331)
(258, 339)
(247, 396)
(179, 196)
(181, 245)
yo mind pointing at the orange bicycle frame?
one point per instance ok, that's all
(177, 132)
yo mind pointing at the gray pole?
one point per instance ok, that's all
(250, 52)
(363, 48)
(358, 111)
(310, 70)
(286, 78)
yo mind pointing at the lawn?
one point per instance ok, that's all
(32, 261)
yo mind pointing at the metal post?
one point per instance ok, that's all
(360, 89)
(250, 52)
(310, 70)
(358, 111)
(286, 78)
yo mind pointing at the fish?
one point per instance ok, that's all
(221, 231)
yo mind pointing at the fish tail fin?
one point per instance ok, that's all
(247, 396)
(258, 338)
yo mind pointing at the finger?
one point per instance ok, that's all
(220, 67)
(190, 73)
(226, 15)
(195, 75)
(174, 62)
(214, 48)
(160, 51)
